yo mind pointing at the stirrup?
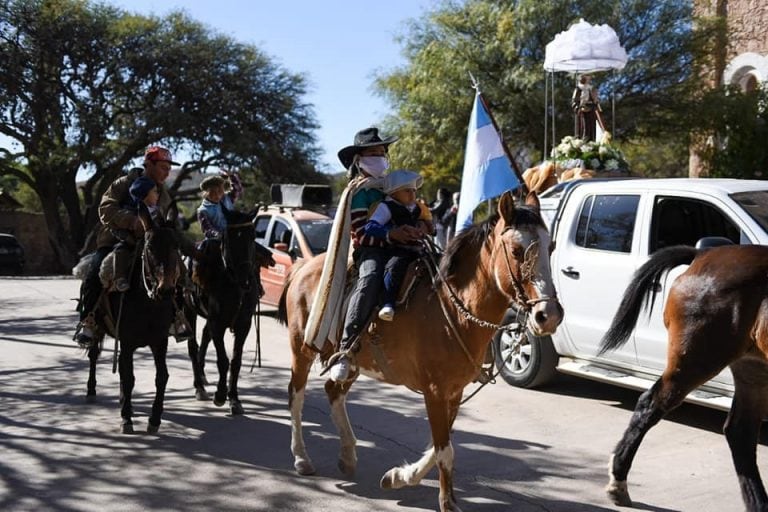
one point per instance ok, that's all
(335, 358)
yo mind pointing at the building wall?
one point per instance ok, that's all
(747, 52)
(747, 27)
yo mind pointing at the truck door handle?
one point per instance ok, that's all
(573, 274)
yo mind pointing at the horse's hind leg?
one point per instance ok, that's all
(127, 381)
(692, 360)
(93, 357)
(300, 366)
(205, 340)
(742, 429)
(198, 378)
(159, 352)
(222, 362)
(337, 397)
(194, 358)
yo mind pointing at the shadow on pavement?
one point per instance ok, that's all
(204, 459)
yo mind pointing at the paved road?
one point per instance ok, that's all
(516, 449)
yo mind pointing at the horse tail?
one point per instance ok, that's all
(282, 309)
(639, 290)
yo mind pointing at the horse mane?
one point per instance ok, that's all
(470, 241)
(236, 217)
(206, 270)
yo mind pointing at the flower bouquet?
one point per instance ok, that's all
(600, 157)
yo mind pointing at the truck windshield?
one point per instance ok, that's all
(316, 232)
(755, 203)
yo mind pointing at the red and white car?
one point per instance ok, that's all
(292, 234)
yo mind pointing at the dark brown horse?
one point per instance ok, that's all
(145, 313)
(716, 316)
(436, 344)
(229, 290)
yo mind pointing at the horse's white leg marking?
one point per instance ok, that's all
(347, 452)
(301, 460)
(444, 458)
(617, 490)
(409, 474)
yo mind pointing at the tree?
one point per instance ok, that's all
(86, 87)
(503, 44)
(736, 147)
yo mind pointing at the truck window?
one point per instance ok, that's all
(683, 221)
(281, 233)
(262, 221)
(607, 222)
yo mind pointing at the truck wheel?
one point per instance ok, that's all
(525, 363)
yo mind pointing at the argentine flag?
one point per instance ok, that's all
(487, 171)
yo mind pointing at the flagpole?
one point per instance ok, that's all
(476, 87)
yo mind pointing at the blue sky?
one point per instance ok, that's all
(337, 44)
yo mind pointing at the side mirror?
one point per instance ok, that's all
(281, 246)
(713, 241)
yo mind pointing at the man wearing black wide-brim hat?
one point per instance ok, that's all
(366, 161)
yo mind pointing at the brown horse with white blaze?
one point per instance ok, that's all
(716, 316)
(436, 344)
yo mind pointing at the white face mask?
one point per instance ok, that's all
(373, 165)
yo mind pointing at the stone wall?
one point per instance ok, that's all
(32, 233)
(747, 27)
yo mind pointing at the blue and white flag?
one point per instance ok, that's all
(487, 170)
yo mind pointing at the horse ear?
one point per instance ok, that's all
(146, 218)
(532, 200)
(506, 207)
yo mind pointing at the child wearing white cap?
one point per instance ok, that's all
(398, 208)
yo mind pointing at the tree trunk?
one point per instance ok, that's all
(59, 236)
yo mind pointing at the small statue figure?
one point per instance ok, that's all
(586, 107)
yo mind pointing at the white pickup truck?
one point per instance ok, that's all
(603, 231)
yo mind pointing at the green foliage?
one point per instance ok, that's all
(87, 86)
(503, 45)
(657, 158)
(739, 149)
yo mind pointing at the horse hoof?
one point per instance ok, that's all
(618, 493)
(346, 469)
(304, 467)
(219, 399)
(90, 398)
(202, 395)
(390, 480)
(449, 506)
(236, 408)
(152, 429)
(126, 428)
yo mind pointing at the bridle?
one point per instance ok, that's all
(149, 271)
(521, 299)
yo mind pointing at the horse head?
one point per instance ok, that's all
(521, 250)
(160, 260)
(239, 248)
